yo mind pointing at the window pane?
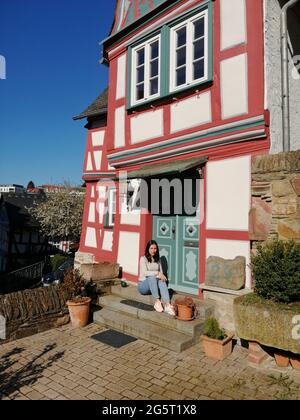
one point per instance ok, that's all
(140, 91)
(199, 28)
(181, 57)
(140, 74)
(154, 86)
(199, 49)
(199, 69)
(154, 68)
(154, 50)
(181, 76)
(181, 37)
(141, 57)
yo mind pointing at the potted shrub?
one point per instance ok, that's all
(217, 344)
(185, 308)
(267, 316)
(79, 301)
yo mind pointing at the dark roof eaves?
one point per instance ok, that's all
(91, 114)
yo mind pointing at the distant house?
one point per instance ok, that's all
(26, 245)
(12, 188)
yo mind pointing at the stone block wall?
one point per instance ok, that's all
(275, 212)
(32, 311)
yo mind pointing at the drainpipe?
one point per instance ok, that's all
(285, 76)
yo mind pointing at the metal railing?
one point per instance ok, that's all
(26, 276)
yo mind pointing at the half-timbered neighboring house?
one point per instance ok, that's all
(26, 245)
(194, 94)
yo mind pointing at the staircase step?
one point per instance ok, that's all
(144, 329)
(205, 308)
(113, 302)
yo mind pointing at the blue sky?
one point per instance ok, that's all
(53, 73)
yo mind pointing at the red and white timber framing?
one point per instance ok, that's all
(225, 120)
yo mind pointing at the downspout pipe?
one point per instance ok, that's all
(285, 76)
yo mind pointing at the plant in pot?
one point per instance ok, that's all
(217, 344)
(79, 299)
(185, 308)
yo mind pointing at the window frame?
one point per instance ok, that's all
(164, 32)
(147, 63)
(111, 208)
(188, 24)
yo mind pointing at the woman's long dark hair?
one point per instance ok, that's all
(147, 251)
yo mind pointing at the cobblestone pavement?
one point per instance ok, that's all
(66, 363)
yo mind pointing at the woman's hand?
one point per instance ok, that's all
(162, 277)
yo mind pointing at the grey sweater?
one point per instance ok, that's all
(148, 269)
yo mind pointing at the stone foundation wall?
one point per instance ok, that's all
(275, 212)
(32, 311)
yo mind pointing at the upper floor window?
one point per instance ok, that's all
(177, 57)
(146, 70)
(189, 47)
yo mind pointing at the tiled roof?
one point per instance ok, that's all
(98, 107)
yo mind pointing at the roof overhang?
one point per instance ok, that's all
(167, 169)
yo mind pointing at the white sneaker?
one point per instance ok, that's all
(169, 310)
(158, 306)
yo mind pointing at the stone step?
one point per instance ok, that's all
(193, 328)
(205, 309)
(144, 329)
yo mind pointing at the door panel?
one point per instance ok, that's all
(164, 230)
(178, 241)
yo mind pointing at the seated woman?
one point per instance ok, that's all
(152, 279)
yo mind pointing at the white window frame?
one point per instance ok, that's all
(112, 206)
(189, 53)
(147, 95)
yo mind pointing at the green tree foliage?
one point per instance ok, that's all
(60, 215)
(276, 271)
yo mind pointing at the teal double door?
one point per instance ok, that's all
(178, 241)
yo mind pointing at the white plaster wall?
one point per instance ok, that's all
(234, 86)
(101, 209)
(128, 253)
(98, 159)
(191, 112)
(90, 239)
(93, 192)
(108, 241)
(146, 126)
(98, 138)
(229, 250)
(273, 76)
(92, 213)
(120, 127)
(229, 194)
(233, 23)
(131, 219)
(89, 165)
(121, 77)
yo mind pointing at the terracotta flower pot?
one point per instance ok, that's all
(217, 349)
(79, 311)
(185, 313)
(282, 360)
(295, 362)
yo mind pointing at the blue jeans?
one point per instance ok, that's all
(155, 287)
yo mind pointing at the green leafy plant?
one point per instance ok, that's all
(212, 329)
(276, 271)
